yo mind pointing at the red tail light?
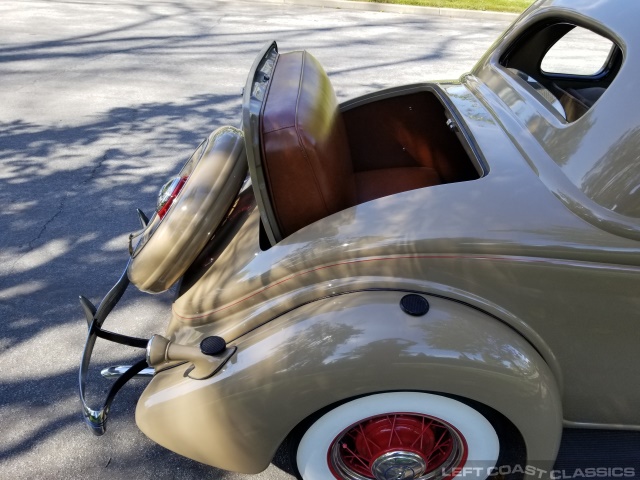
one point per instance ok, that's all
(168, 193)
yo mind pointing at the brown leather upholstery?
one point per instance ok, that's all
(305, 151)
(313, 171)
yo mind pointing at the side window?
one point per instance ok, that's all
(568, 66)
(579, 52)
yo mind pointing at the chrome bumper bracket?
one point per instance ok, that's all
(96, 420)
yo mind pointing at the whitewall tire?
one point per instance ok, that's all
(403, 435)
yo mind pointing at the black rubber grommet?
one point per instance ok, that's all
(415, 305)
(213, 345)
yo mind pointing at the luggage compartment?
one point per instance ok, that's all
(405, 140)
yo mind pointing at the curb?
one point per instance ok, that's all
(407, 9)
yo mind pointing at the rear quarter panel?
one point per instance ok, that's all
(503, 243)
(346, 346)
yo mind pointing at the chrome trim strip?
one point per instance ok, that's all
(118, 371)
(599, 426)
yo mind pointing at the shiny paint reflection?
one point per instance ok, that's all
(342, 347)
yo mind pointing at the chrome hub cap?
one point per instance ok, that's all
(398, 465)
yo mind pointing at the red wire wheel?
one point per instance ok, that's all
(397, 446)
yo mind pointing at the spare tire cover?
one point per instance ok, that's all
(172, 240)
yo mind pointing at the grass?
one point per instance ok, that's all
(516, 6)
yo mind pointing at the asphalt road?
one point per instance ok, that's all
(99, 103)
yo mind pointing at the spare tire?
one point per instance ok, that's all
(190, 208)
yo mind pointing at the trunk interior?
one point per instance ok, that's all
(403, 142)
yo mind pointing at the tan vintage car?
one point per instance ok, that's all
(424, 282)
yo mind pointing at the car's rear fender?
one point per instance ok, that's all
(345, 346)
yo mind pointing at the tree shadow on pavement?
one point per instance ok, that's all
(69, 188)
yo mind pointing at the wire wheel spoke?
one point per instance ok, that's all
(406, 442)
